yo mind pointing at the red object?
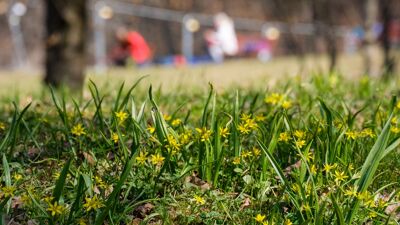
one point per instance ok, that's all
(138, 47)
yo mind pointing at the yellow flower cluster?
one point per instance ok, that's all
(176, 122)
(204, 134)
(93, 203)
(55, 208)
(299, 139)
(247, 124)
(173, 145)
(278, 99)
(353, 135)
(155, 159)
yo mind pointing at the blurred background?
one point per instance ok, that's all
(193, 32)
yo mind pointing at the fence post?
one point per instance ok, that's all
(187, 38)
(99, 38)
(14, 22)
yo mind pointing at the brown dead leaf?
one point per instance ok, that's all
(136, 221)
(89, 158)
(194, 179)
(143, 210)
(246, 203)
(16, 202)
(288, 170)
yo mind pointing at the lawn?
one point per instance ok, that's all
(252, 147)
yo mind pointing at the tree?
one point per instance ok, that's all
(370, 18)
(323, 18)
(66, 24)
(387, 17)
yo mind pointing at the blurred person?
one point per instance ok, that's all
(131, 44)
(222, 41)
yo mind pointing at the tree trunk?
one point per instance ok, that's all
(65, 42)
(323, 18)
(389, 62)
(370, 18)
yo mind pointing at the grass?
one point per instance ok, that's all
(321, 149)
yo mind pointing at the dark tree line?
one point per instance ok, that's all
(66, 25)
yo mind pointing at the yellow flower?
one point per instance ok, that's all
(204, 134)
(176, 122)
(351, 135)
(300, 134)
(93, 203)
(223, 131)
(157, 159)
(367, 132)
(115, 137)
(260, 118)
(351, 167)
(393, 121)
(55, 208)
(372, 214)
(309, 156)
(365, 195)
(167, 117)
(395, 130)
(398, 105)
(328, 167)
(244, 117)
(340, 176)
(300, 143)
(306, 207)
(48, 199)
(173, 145)
(82, 221)
(151, 129)
(286, 104)
(251, 123)
(184, 138)
(236, 160)
(199, 200)
(78, 130)
(56, 175)
(2, 126)
(17, 176)
(313, 170)
(246, 154)
(284, 136)
(25, 198)
(370, 203)
(100, 182)
(260, 218)
(141, 159)
(244, 128)
(351, 192)
(256, 152)
(288, 222)
(295, 187)
(273, 99)
(8, 191)
(382, 203)
(121, 116)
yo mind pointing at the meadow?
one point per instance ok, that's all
(315, 149)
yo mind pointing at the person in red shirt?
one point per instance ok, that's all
(131, 44)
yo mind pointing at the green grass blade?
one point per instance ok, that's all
(60, 183)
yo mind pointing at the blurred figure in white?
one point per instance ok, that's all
(222, 41)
